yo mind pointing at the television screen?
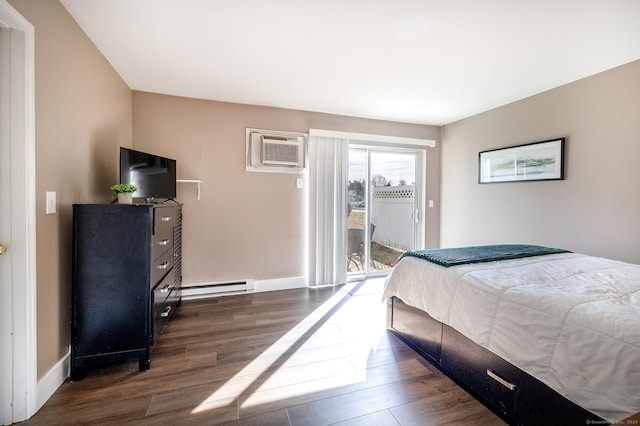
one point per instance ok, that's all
(154, 176)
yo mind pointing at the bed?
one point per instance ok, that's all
(541, 338)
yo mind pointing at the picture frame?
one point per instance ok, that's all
(534, 161)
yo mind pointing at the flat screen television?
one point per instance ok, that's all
(154, 176)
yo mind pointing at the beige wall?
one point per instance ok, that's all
(594, 211)
(247, 224)
(250, 225)
(83, 114)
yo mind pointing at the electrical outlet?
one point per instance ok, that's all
(51, 202)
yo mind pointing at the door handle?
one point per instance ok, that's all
(416, 216)
(3, 249)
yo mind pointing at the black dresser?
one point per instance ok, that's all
(127, 278)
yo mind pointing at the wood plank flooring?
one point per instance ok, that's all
(291, 357)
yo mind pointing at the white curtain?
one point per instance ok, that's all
(328, 168)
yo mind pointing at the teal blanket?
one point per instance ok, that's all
(477, 254)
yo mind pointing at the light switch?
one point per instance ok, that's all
(299, 183)
(430, 204)
(51, 202)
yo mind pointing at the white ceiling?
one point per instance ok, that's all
(416, 61)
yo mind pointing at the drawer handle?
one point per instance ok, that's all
(163, 265)
(165, 289)
(163, 242)
(166, 218)
(500, 380)
(166, 311)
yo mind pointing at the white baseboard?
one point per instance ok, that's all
(280, 284)
(206, 290)
(51, 381)
(215, 289)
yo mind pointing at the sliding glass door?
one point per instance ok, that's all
(385, 205)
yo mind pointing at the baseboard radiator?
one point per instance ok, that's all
(200, 291)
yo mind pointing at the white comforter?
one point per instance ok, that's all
(570, 320)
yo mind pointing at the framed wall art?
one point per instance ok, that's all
(529, 162)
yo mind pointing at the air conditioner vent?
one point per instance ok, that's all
(273, 151)
(281, 151)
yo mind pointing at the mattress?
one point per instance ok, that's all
(570, 320)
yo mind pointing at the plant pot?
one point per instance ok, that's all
(125, 198)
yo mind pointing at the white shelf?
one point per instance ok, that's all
(196, 181)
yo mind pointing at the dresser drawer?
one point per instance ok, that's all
(160, 244)
(490, 377)
(165, 299)
(164, 220)
(160, 266)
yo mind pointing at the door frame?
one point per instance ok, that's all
(22, 304)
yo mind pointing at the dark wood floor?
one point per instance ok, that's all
(292, 357)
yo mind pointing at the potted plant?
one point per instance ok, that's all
(124, 191)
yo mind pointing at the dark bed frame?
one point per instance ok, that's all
(514, 395)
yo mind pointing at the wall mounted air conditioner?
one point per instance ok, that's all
(275, 151)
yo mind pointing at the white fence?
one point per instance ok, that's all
(392, 214)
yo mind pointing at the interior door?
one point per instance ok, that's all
(18, 347)
(6, 346)
(385, 205)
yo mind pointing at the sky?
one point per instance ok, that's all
(393, 166)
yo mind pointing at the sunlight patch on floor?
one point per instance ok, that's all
(327, 349)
